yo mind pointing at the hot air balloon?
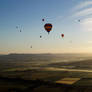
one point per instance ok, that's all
(48, 27)
(30, 46)
(62, 35)
(42, 19)
(40, 36)
(17, 27)
(79, 20)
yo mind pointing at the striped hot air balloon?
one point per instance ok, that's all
(48, 27)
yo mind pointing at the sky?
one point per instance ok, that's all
(27, 15)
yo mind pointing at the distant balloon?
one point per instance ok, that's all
(30, 46)
(78, 20)
(48, 27)
(43, 19)
(62, 35)
(40, 36)
(17, 27)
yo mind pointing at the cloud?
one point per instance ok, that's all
(83, 12)
(86, 24)
(83, 5)
(55, 18)
(82, 9)
(90, 42)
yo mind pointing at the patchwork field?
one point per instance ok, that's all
(68, 80)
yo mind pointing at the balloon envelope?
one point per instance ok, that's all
(78, 20)
(48, 27)
(62, 35)
(30, 46)
(42, 19)
(17, 27)
(40, 36)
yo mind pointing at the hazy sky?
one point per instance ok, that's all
(28, 14)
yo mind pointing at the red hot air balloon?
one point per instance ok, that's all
(62, 35)
(48, 27)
